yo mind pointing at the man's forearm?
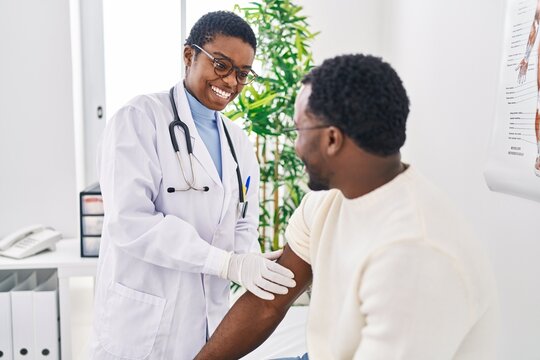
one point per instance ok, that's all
(251, 320)
(244, 328)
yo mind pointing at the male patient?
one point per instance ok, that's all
(396, 273)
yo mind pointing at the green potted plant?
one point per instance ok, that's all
(267, 107)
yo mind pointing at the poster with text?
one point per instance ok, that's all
(513, 165)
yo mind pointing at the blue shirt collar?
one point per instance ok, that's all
(198, 110)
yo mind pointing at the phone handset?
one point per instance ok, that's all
(12, 238)
(29, 241)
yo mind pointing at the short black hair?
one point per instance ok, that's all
(364, 97)
(220, 23)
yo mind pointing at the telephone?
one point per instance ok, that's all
(29, 241)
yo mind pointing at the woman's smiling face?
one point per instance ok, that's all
(201, 81)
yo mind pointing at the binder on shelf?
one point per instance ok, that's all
(46, 321)
(22, 311)
(6, 337)
(91, 220)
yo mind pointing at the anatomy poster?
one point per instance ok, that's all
(514, 161)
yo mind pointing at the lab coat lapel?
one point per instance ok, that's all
(228, 169)
(199, 149)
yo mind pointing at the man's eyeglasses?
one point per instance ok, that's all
(288, 130)
(224, 67)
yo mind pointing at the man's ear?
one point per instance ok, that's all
(335, 140)
(188, 55)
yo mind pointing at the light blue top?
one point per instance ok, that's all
(206, 124)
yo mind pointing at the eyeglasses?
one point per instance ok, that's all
(287, 130)
(224, 67)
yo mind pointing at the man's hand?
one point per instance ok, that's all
(260, 275)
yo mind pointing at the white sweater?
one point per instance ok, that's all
(396, 275)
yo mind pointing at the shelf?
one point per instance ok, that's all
(68, 262)
(66, 257)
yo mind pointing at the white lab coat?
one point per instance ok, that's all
(157, 286)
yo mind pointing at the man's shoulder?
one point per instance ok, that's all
(315, 202)
(314, 198)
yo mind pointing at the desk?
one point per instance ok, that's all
(67, 261)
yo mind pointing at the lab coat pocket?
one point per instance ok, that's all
(130, 322)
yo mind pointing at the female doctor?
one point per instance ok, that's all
(179, 184)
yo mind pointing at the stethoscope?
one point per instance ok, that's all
(191, 184)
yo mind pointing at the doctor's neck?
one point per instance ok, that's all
(198, 109)
(188, 91)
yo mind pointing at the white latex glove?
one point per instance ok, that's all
(259, 274)
(273, 255)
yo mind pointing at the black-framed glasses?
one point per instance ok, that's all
(223, 67)
(291, 129)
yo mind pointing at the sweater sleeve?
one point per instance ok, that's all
(415, 301)
(298, 233)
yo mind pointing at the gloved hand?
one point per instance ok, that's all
(259, 274)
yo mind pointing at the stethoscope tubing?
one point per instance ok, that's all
(189, 148)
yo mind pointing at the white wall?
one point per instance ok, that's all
(142, 48)
(37, 150)
(448, 55)
(345, 26)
